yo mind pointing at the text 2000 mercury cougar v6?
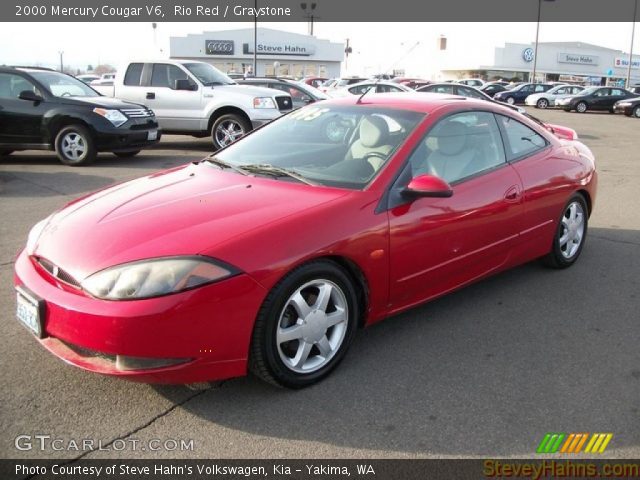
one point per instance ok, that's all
(271, 254)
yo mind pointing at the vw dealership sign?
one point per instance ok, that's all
(219, 47)
(527, 54)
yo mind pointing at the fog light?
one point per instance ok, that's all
(125, 363)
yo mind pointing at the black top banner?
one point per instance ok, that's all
(318, 10)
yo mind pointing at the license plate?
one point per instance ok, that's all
(152, 135)
(29, 311)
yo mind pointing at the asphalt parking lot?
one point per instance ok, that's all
(486, 371)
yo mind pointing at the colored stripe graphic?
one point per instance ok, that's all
(598, 442)
(550, 443)
(572, 443)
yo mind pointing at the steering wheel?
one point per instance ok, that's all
(383, 159)
(66, 94)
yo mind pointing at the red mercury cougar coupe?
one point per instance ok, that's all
(270, 254)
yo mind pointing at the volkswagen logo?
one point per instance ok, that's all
(527, 54)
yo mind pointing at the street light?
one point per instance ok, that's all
(312, 7)
(633, 32)
(535, 53)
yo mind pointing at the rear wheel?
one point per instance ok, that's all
(75, 146)
(511, 100)
(228, 128)
(581, 107)
(542, 103)
(570, 234)
(131, 153)
(305, 326)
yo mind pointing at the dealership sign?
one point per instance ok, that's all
(527, 54)
(624, 62)
(577, 58)
(219, 47)
(268, 48)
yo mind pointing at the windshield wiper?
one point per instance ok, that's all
(223, 164)
(269, 169)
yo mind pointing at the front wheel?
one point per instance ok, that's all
(511, 100)
(227, 129)
(75, 146)
(570, 234)
(581, 107)
(305, 326)
(542, 103)
(130, 153)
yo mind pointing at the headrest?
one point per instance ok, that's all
(452, 138)
(373, 131)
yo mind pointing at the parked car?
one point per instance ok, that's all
(455, 89)
(271, 254)
(301, 93)
(594, 98)
(518, 94)
(195, 98)
(492, 88)
(471, 82)
(340, 83)
(105, 79)
(381, 86)
(630, 107)
(314, 81)
(413, 83)
(548, 98)
(88, 78)
(635, 89)
(41, 109)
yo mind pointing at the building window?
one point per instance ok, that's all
(283, 69)
(322, 71)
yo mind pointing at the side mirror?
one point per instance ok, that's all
(428, 186)
(30, 96)
(184, 84)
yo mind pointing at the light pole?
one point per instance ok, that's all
(61, 53)
(255, 40)
(312, 7)
(633, 32)
(535, 52)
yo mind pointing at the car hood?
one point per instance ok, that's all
(184, 211)
(102, 102)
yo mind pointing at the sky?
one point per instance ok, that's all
(377, 47)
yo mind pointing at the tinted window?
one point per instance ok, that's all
(134, 72)
(469, 92)
(441, 89)
(11, 85)
(460, 146)
(521, 139)
(603, 92)
(62, 85)
(617, 92)
(360, 89)
(166, 75)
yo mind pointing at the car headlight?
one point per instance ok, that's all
(116, 117)
(623, 104)
(34, 234)
(263, 102)
(155, 277)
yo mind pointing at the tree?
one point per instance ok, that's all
(89, 68)
(102, 69)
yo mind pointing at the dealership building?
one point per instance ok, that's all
(278, 52)
(574, 62)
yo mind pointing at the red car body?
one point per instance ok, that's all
(266, 228)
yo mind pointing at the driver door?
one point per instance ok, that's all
(438, 244)
(20, 120)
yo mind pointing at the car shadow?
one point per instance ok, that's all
(485, 371)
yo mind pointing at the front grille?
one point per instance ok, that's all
(137, 112)
(58, 273)
(284, 103)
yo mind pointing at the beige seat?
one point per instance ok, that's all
(374, 144)
(453, 154)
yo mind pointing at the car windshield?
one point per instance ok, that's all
(338, 146)
(208, 74)
(61, 85)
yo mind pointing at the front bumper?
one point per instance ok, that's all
(262, 116)
(208, 329)
(133, 135)
(626, 109)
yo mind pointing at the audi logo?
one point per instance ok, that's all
(222, 46)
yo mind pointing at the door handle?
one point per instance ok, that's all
(512, 194)
(151, 95)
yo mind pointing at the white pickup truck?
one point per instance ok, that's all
(194, 98)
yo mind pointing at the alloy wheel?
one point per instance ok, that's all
(74, 146)
(573, 226)
(228, 132)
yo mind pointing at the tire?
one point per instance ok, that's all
(5, 153)
(298, 358)
(581, 107)
(511, 100)
(571, 234)
(636, 111)
(131, 153)
(542, 103)
(75, 146)
(222, 128)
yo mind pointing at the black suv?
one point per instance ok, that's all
(301, 93)
(41, 109)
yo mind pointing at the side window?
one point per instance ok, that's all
(541, 88)
(521, 139)
(443, 89)
(617, 92)
(561, 91)
(469, 92)
(459, 146)
(527, 89)
(11, 85)
(575, 90)
(133, 74)
(603, 92)
(165, 75)
(360, 89)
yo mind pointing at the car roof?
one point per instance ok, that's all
(25, 68)
(413, 101)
